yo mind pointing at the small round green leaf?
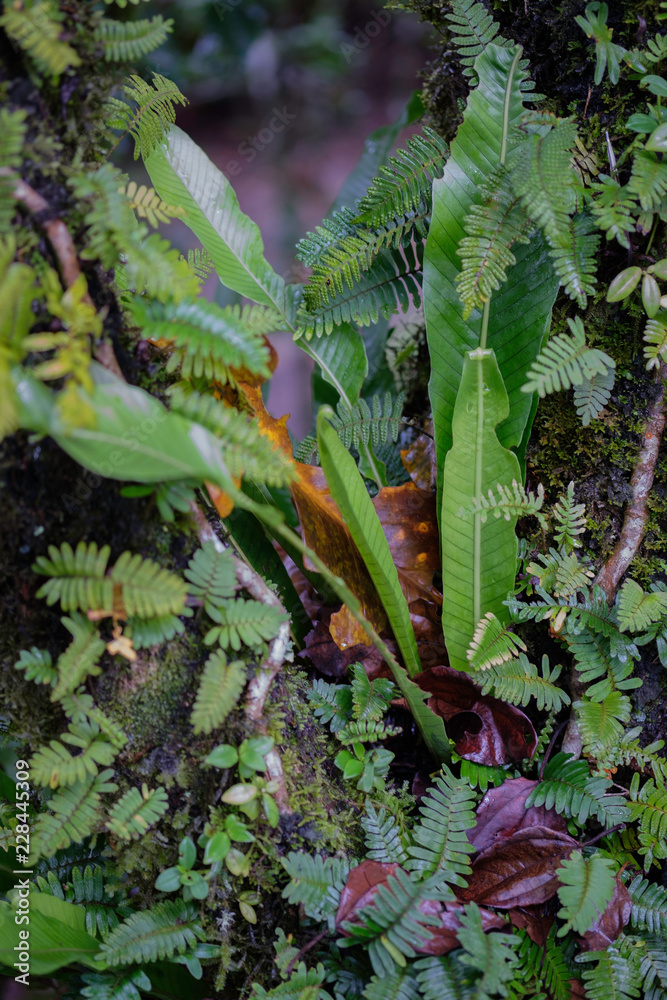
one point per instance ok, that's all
(237, 862)
(199, 886)
(237, 830)
(659, 269)
(650, 295)
(169, 880)
(239, 794)
(657, 141)
(187, 853)
(655, 84)
(624, 284)
(248, 912)
(222, 756)
(217, 847)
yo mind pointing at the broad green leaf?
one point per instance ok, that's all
(57, 937)
(520, 311)
(184, 176)
(349, 491)
(478, 559)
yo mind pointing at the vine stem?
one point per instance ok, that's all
(260, 685)
(636, 515)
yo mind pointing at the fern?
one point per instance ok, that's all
(440, 843)
(384, 842)
(331, 703)
(136, 812)
(517, 681)
(614, 209)
(491, 954)
(155, 112)
(566, 361)
(512, 502)
(54, 765)
(405, 182)
(637, 610)
(399, 986)
(612, 978)
(12, 129)
(592, 395)
(79, 708)
(128, 41)
(37, 665)
(103, 904)
(36, 28)
(482, 775)
(568, 787)
(492, 228)
(649, 806)
(303, 984)
(124, 985)
(545, 966)
(601, 723)
(378, 423)
(75, 814)
(219, 690)
(562, 575)
(147, 203)
(246, 622)
(475, 28)
(653, 967)
(570, 520)
(628, 753)
(444, 978)
(649, 904)
(655, 338)
(574, 257)
(366, 731)
(586, 887)
(315, 882)
(648, 180)
(80, 659)
(492, 644)
(598, 660)
(166, 929)
(147, 632)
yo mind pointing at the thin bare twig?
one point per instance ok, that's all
(636, 515)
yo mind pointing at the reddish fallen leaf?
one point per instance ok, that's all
(519, 871)
(332, 661)
(577, 991)
(489, 731)
(502, 812)
(605, 930)
(362, 884)
(420, 460)
(445, 938)
(533, 921)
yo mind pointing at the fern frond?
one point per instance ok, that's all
(54, 765)
(574, 256)
(12, 129)
(80, 659)
(601, 723)
(517, 681)
(440, 843)
(128, 41)
(75, 814)
(303, 984)
(155, 111)
(223, 344)
(596, 660)
(562, 575)
(612, 978)
(492, 228)
(104, 904)
(148, 204)
(492, 644)
(652, 966)
(212, 575)
(648, 804)
(331, 703)
(648, 180)
(378, 423)
(637, 610)
(491, 954)
(147, 632)
(201, 262)
(512, 502)
(166, 929)
(334, 231)
(565, 361)
(570, 520)
(568, 787)
(392, 282)
(136, 811)
(37, 665)
(244, 622)
(401, 985)
(482, 775)
(614, 209)
(444, 977)
(384, 842)
(586, 886)
(370, 699)
(245, 451)
(649, 904)
(315, 882)
(219, 690)
(543, 965)
(80, 708)
(592, 395)
(123, 985)
(36, 29)
(366, 731)
(153, 266)
(474, 28)
(655, 341)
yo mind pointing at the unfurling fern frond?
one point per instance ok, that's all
(219, 690)
(166, 929)
(392, 283)
(568, 787)
(37, 665)
(492, 643)
(637, 610)
(80, 659)
(592, 395)
(586, 886)
(148, 204)
(566, 361)
(649, 904)
(517, 681)
(36, 29)
(155, 111)
(612, 976)
(245, 451)
(315, 882)
(12, 129)
(75, 813)
(244, 622)
(512, 502)
(384, 842)
(128, 41)
(440, 842)
(655, 340)
(54, 765)
(492, 229)
(601, 723)
(136, 811)
(223, 344)
(212, 575)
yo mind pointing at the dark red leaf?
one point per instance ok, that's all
(519, 871)
(326, 657)
(502, 812)
(534, 921)
(445, 937)
(362, 884)
(605, 930)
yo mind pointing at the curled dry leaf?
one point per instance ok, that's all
(605, 930)
(332, 661)
(502, 812)
(533, 921)
(362, 884)
(445, 938)
(519, 871)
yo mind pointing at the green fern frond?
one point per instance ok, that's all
(315, 882)
(245, 451)
(648, 804)
(166, 929)
(366, 731)
(592, 395)
(75, 814)
(601, 723)
(219, 690)
(384, 841)
(637, 610)
(147, 632)
(652, 967)
(570, 520)
(303, 984)
(597, 659)
(474, 28)
(155, 111)
(440, 843)
(614, 209)
(393, 282)
(562, 575)
(612, 978)
(331, 703)
(568, 787)
(36, 28)
(148, 204)
(546, 966)
(493, 955)
(334, 231)
(370, 699)
(401, 985)
(512, 502)
(482, 776)
(80, 659)
(244, 622)
(54, 765)
(586, 886)
(128, 41)
(136, 811)
(565, 361)
(37, 665)
(444, 977)
(80, 708)
(223, 344)
(574, 256)
(628, 753)
(123, 985)
(517, 681)
(378, 423)
(201, 262)
(12, 129)
(492, 643)
(103, 903)
(655, 340)
(212, 575)
(153, 266)
(648, 180)
(649, 904)
(492, 228)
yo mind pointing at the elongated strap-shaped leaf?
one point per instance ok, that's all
(349, 491)
(184, 176)
(478, 559)
(521, 310)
